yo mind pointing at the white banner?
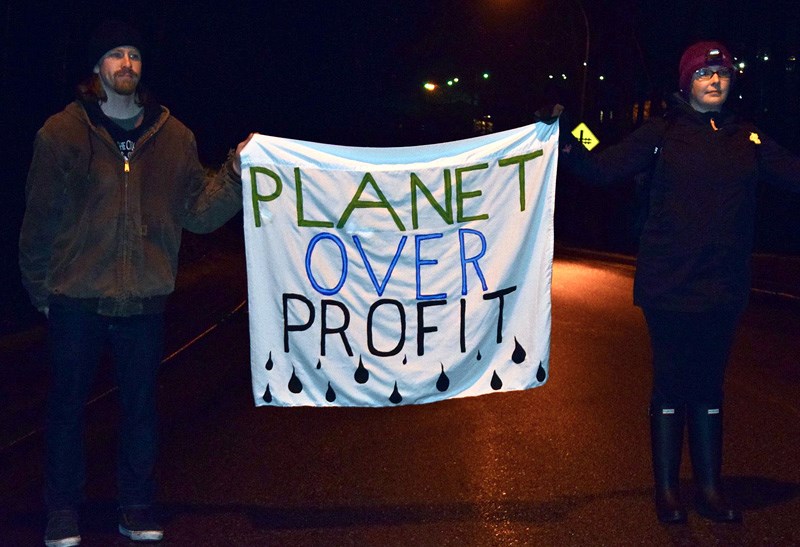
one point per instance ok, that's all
(386, 276)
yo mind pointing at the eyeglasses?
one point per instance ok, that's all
(706, 73)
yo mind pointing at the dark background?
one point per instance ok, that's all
(352, 73)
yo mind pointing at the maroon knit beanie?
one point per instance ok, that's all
(698, 55)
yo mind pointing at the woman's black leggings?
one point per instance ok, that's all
(690, 352)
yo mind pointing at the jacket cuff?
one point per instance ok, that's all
(228, 171)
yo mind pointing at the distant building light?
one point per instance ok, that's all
(741, 65)
(792, 58)
(429, 86)
(455, 80)
(550, 76)
(485, 75)
(449, 82)
(483, 126)
(563, 76)
(585, 63)
(765, 57)
(602, 77)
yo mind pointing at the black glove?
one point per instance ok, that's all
(548, 114)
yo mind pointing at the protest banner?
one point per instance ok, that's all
(385, 276)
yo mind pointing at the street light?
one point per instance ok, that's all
(585, 17)
(585, 58)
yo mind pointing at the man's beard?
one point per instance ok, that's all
(125, 86)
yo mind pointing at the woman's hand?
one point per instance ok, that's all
(548, 114)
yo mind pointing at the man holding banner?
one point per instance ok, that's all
(114, 180)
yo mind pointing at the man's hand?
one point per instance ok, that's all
(237, 160)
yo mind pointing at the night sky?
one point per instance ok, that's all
(351, 72)
(312, 69)
(348, 71)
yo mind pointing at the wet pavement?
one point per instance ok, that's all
(563, 464)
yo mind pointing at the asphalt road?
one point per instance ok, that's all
(564, 464)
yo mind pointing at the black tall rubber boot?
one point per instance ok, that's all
(705, 447)
(666, 438)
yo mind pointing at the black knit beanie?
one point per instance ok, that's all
(110, 34)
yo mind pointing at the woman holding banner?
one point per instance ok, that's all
(693, 268)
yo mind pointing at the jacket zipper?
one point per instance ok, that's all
(126, 220)
(126, 169)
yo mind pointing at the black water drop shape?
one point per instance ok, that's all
(519, 352)
(295, 385)
(268, 366)
(405, 359)
(443, 382)
(497, 383)
(267, 397)
(395, 397)
(541, 373)
(362, 374)
(319, 364)
(330, 395)
(479, 356)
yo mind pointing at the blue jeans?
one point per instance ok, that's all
(77, 339)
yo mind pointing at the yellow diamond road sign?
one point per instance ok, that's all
(585, 136)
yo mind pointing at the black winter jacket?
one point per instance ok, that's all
(696, 242)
